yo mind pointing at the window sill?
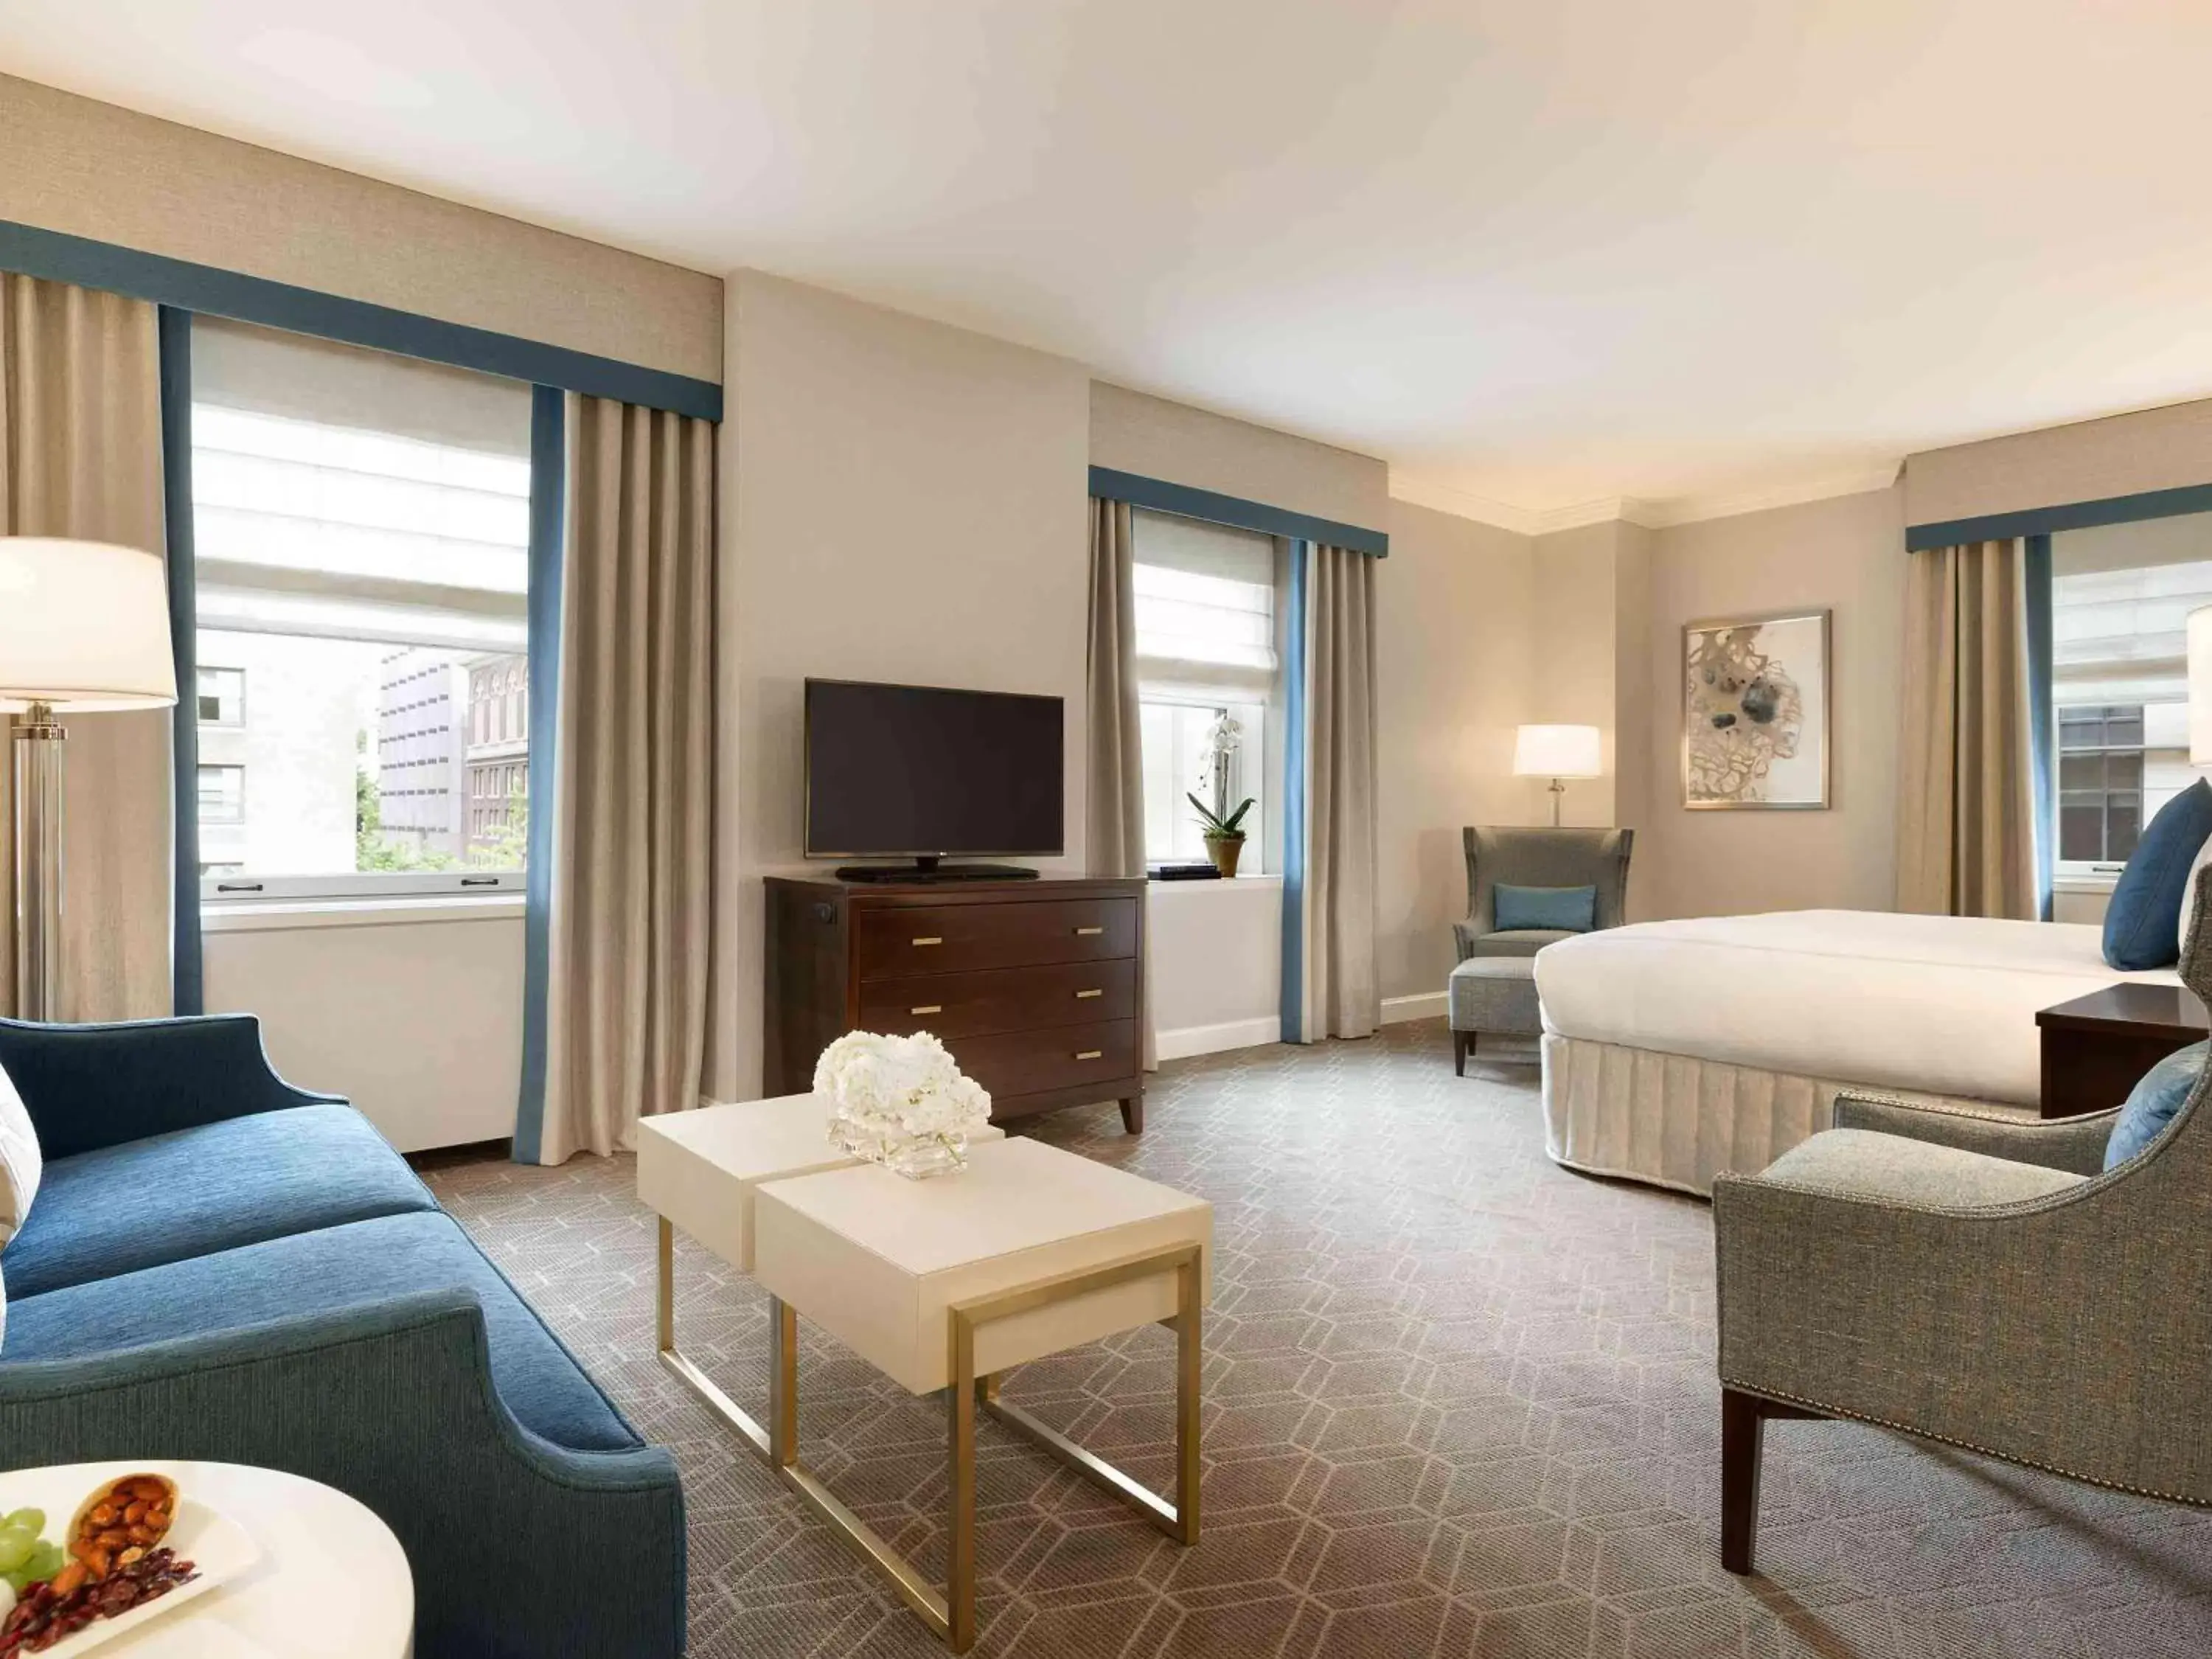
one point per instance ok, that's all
(287, 915)
(2084, 882)
(1230, 883)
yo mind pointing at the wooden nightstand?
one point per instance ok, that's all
(2096, 1047)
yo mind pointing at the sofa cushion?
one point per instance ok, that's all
(2142, 923)
(193, 1191)
(1862, 1164)
(1516, 941)
(344, 1266)
(2152, 1103)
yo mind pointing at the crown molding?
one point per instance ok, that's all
(1628, 509)
(1696, 509)
(1442, 498)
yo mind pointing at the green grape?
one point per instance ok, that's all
(17, 1545)
(45, 1561)
(31, 1520)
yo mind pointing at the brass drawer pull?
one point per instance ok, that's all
(929, 1008)
(1084, 996)
(1092, 1053)
(932, 938)
(1084, 933)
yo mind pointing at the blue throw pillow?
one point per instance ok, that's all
(1562, 909)
(2143, 925)
(2153, 1103)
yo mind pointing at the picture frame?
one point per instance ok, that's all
(1757, 697)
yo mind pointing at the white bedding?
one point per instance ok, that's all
(1937, 1005)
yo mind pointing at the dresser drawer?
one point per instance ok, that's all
(951, 938)
(1001, 998)
(1031, 1062)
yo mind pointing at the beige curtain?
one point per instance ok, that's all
(626, 998)
(1965, 809)
(81, 457)
(1339, 989)
(1115, 786)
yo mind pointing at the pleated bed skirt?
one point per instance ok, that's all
(1676, 1121)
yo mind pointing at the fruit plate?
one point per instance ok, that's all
(214, 1543)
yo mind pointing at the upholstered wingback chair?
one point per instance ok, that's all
(1980, 1281)
(1538, 858)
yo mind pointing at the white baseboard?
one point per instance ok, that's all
(1428, 1004)
(1187, 1039)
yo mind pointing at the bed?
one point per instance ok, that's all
(1674, 1050)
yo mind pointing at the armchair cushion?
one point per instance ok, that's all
(1513, 942)
(192, 1192)
(308, 1274)
(1860, 1163)
(2076, 1144)
(1565, 909)
(2153, 1101)
(2142, 924)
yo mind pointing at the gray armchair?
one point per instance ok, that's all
(1977, 1281)
(1494, 987)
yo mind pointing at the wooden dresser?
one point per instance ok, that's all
(1036, 986)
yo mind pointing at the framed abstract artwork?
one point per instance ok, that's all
(1755, 712)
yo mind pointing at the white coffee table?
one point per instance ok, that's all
(699, 1171)
(941, 1284)
(332, 1582)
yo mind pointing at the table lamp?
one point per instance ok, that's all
(1557, 752)
(83, 626)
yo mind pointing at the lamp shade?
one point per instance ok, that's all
(83, 625)
(2200, 687)
(1556, 751)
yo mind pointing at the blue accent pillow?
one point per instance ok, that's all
(1562, 909)
(2143, 925)
(2153, 1101)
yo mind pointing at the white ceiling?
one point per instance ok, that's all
(1535, 253)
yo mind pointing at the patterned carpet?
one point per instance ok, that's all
(1459, 1402)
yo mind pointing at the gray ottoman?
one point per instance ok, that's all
(1491, 993)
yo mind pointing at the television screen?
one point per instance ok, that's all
(911, 770)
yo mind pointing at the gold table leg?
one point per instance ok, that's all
(690, 1374)
(952, 1615)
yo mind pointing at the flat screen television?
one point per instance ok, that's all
(928, 772)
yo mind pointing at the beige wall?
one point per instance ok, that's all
(1574, 674)
(90, 169)
(1847, 554)
(1455, 656)
(902, 501)
(1131, 431)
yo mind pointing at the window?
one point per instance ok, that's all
(1205, 670)
(2100, 783)
(361, 531)
(222, 794)
(2120, 595)
(221, 696)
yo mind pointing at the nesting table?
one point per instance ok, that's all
(941, 1284)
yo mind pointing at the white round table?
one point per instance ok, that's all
(331, 1582)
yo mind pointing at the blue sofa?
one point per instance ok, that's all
(220, 1265)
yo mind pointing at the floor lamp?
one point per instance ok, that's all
(84, 627)
(1557, 752)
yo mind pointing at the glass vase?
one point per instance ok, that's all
(925, 1156)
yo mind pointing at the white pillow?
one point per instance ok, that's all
(20, 1166)
(2189, 894)
(20, 1163)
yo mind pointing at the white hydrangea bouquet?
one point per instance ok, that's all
(900, 1101)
